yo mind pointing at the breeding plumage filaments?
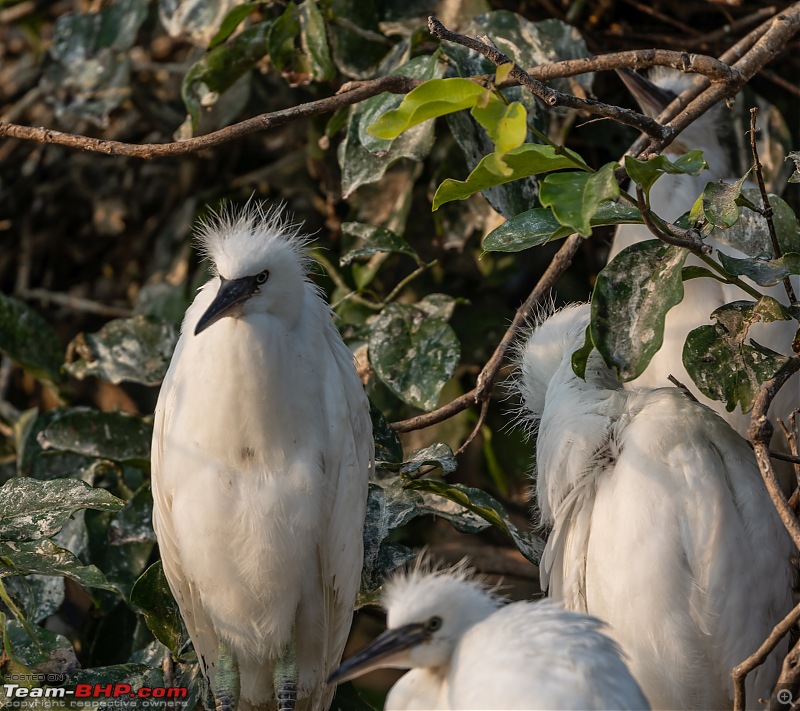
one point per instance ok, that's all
(659, 521)
(468, 650)
(262, 448)
(670, 197)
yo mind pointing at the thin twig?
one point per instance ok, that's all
(759, 434)
(678, 384)
(757, 658)
(481, 419)
(486, 380)
(549, 96)
(75, 303)
(766, 209)
(683, 238)
(711, 37)
(403, 283)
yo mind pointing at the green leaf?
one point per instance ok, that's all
(750, 233)
(539, 226)
(506, 125)
(413, 354)
(220, 68)
(581, 356)
(152, 596)
(631, 298)
(29, 341)
(314, 40)
(574, 197)
(39, 596)
(646, 172)
(375, 239)
(388, 449)
(232, 20)
(720, 203)
(488, 508)
(696, 272)
(438, 454)
(107, 435)
(529, 159)
(31, 509)
(795, 156)
(436, 97)
(762, 272)
(46, 558)
(134, 524)
(281, 37)
(134, 350)
(722, 364)
(49, 653)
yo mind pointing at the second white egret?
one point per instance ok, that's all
(660, 523)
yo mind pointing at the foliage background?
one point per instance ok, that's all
(88, 239)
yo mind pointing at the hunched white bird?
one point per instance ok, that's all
(659, 522)
(467, 650)
(670, 197)
(261, 455)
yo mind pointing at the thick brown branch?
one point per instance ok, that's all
(549, 96)
(394, 84)
(486, 380)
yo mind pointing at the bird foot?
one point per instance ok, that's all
(225, 703)
(287, 696)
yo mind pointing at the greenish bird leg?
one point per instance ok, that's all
(226, 681)
(285, 677)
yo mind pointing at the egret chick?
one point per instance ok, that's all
(670, 197)
(660, 523)
(467, 650)
(262, 448)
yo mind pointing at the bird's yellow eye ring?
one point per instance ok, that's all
(434, 624)
(262, 277)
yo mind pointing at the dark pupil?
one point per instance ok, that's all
(434, 623)
(261, 278)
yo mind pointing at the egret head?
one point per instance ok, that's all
(554, 337)
(427, 613)
(260, 263)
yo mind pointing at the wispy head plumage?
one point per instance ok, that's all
(552, 336)
(242, 240)
(423, 590)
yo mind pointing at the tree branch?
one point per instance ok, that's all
(549, 96)
(486, 380)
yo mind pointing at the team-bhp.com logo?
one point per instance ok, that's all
(96, 691)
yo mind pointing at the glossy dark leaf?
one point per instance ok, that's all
(721, 361)
(107, 435)
(631, 298)
(762, 272)
(152, 596)
(46, 558)
(720, 203)
(236, 15)
(646, 172)
(29, 340)
(135, 350)
(134, 524)
(374, 240)
(31, 509)
(438, 454)
(539, 226)
(413, 354)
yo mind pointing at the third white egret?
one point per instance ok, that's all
(467, 650)
(660, 523)
(262, 448)
(670, 197)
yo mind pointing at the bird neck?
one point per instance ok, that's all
(574, 431)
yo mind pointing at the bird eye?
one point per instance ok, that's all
(261, 278)
(434, 623)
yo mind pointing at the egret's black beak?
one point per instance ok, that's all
(232, 293)
(381, 649)
(653, 99)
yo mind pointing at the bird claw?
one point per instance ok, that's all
(287, 696)
(225, 703)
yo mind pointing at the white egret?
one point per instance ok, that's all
(670, 197)
(467, 650)
(660, 523)
(261, 455)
